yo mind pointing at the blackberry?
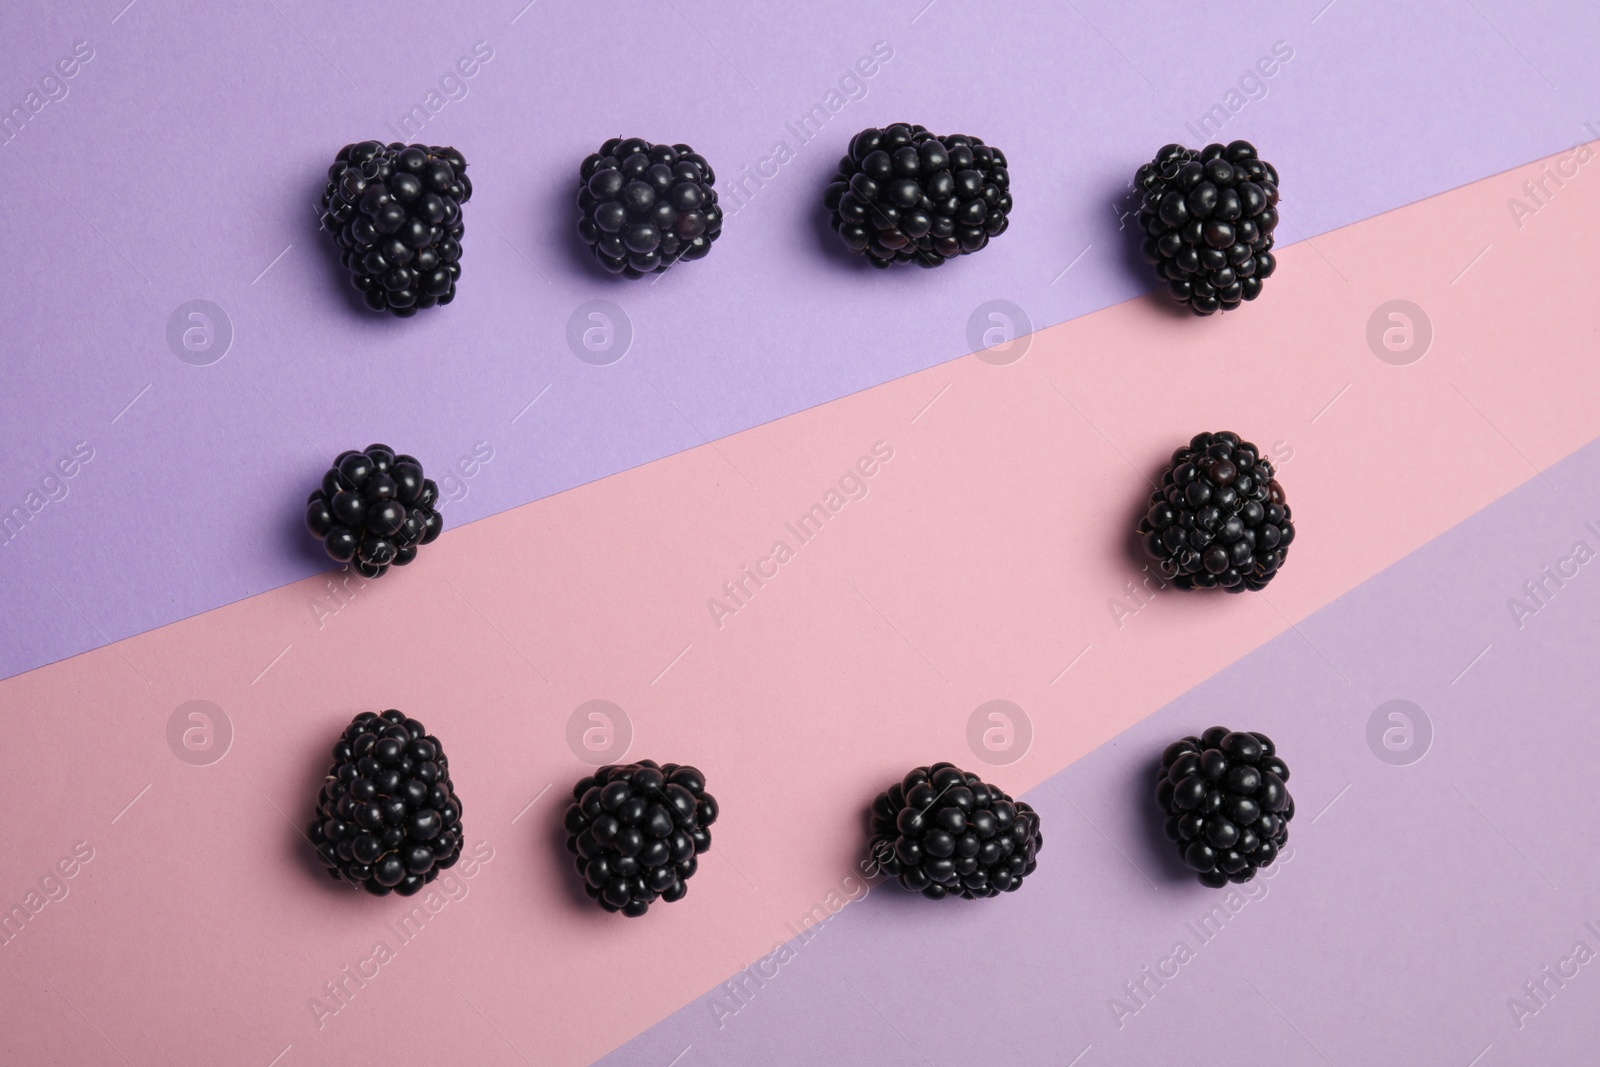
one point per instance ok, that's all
(395, 212)
(387, 816)
(374, 509)
(636, 830)
(943, 832)
(903, 194)
(1226, 804)
(643, 207)
(1219, 518)
(1208, 218)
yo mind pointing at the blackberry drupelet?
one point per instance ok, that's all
(942, 832)
(387, 816)
(904, 194)
(643, 207)
(1208, 218)
(1226, 804)
(1219, 518)
(374, 509)
(395, 212)
(636, 830)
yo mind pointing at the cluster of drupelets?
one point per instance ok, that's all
(388, 818)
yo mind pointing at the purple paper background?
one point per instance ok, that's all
(185, 158)
(1416, 901)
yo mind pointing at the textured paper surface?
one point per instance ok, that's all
(1414, 909)
(185, 157)
(983, 563)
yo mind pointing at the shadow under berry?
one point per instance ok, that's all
(1131, 540)
(336, 277)
(809, 209)
(555, 829)
(830, 248)
(299, 543)
(313, 762)
(883, 890)
(1125, 203)
(1155, 853)
(561, 204)
(1119, 193)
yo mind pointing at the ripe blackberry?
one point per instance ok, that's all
(387, 816)
(1226, 804)
(943, 832)
(903, 194)
(636, 831)
(1219, 518)
(1208, 217)
(374, 509)
(643, 207)
(395, 212)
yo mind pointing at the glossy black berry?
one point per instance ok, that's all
(1226, 805)
(374, 509)
(387, 816)
(643, 207)
(636, 831)
(395, 213)
(1208, 218)
(903, 194)
(942, 832)
(1219, 518)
